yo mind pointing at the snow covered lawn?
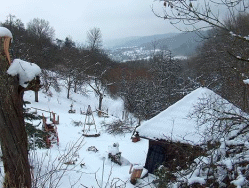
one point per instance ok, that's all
(89, 166)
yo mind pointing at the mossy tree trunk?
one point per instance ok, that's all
(13, 135)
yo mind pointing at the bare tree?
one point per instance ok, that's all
(73, 66)
(190, 15)
(193, 13)
(40, 28)
(49, 79)
(94, 39)
(99, 89)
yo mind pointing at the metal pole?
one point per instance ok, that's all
(103, 169)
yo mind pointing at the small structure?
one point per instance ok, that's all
(102, 113)
(135, 137)
(172, 134)
(136, 172)
(52, 133)
(114, 154)
(89, 121)
(125, 115)
(71, 111)
(53, 118)
(82, 112)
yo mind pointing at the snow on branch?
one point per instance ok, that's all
(25, 70)
(246, 81)
(244, 38)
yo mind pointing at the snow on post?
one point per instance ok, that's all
(25, 70)
(4, 32)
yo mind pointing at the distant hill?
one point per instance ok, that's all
(136, 40)
(132, 48)
(183, 44)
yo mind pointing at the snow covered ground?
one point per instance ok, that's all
(90, 167)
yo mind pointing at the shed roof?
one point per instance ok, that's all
(174, 123)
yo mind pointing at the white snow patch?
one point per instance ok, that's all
(25, 70)
(239, 182)
(137, 166)
(90, 166)
(246, 81)
(114, 149)
(4, 32)
(196, 180)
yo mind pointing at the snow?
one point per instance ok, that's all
(239, 182)
(246, 81)
(4, 32)
(180, 57)
(196, 179)
(78, 165)
(228, 163)
(89, 165)
(114, 149)
(25, 70)
(174, 123)
(137, 167)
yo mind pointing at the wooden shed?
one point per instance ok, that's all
(172, 134)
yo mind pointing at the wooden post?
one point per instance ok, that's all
(54, 122)
(43, 122)
(13, 136)
(135, 172)
(5, 41)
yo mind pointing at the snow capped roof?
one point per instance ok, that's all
(174, 123)
(26, 71)
(4, 32)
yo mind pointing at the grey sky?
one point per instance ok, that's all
(115, 18)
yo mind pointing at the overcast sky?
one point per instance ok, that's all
(115, 18)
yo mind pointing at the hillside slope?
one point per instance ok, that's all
(52, 167)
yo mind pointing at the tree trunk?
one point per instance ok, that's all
(13, 135)
(100, 101)
(69, 85)
(68, 92)
(36, 96)
(75, 87)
